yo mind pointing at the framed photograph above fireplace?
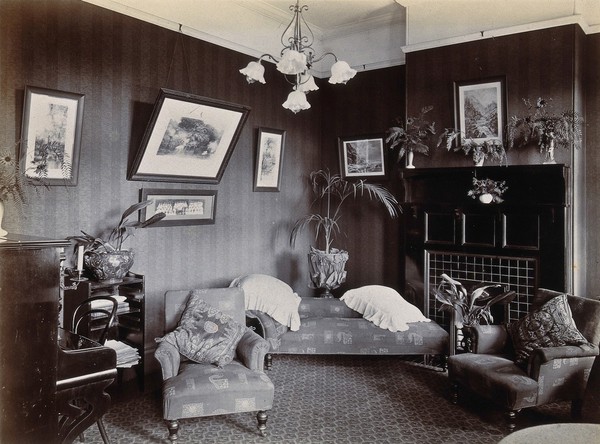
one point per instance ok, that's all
(480, 110)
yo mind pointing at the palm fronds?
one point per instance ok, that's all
(331, 191)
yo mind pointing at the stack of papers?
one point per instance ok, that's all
(127, 356)
(122, 306)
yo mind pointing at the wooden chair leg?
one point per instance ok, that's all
(268, 361)
(511, 420)
(454, 395)
(262, 417)
(173, 427)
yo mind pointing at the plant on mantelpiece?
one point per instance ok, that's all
(548, 129)
(480, 152)
(411, 136)
(487, 190)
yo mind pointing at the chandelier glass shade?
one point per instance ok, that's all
(295, 61)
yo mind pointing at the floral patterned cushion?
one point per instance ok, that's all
(204, 334)
(551, 325)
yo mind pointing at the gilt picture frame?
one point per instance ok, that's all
(363, 157)
(480, 110)
(189, 138)
(51, 136)
(181, 206)
(270, 148)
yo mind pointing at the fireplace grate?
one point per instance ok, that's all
(518, 273)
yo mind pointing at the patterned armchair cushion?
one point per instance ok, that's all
(205, 334)
(272, 296)
(550, 325)
(495, 377)
(201, 390)
(384, 307)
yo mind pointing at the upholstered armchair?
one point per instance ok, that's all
(192, 389)
(548, 374)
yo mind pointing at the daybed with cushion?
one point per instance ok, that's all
(380, 322)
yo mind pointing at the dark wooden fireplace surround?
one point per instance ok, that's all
(520, 242)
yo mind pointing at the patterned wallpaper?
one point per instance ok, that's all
(120, 64)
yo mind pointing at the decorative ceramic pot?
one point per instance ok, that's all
(486, 198)
(3, 232)
(409, 159)
(109, 267)
(550, 153)
(327, 271)
(479, 162)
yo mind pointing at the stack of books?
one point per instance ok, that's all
(127, 356)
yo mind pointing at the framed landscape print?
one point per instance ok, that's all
(480, 109)
(182, 207)
(51, 136)
(363, 157)
(189, 139)
(269, 159)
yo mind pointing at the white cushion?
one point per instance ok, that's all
(383, 306)
(272, 296)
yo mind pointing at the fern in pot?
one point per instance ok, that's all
(331, 191)
(104, 257)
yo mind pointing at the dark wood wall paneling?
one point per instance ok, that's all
(367, 104)
(120, 64)
(537, 63)
(592, 114)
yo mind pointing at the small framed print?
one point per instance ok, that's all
(189, 139)
(480, 114)
(182, 207)
(363, 157)
(51, 136)
(269, 159)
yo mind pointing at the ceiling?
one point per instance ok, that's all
(368, 34)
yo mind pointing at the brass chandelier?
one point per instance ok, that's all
(295, 61)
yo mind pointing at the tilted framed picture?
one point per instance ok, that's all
(182, 207)
(189, 139)
(363, 157)
(480, 110)
(269, 159)
(51, 136)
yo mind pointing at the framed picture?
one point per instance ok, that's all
(51, 136)
(480, 109)
(189, 139)
(269, 159)
(363, 157)
(182, 207)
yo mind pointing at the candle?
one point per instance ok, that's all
(80, 258)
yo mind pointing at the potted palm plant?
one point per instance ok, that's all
(104, 257)
(411, 136)
(327, 265)
(549, 130)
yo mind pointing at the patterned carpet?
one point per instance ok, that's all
(335, 400)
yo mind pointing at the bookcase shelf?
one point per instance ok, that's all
(130, 322)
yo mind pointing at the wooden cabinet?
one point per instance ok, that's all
(130, 316)
(29, 306)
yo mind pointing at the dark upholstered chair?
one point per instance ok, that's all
(552, 373)
(193, 390)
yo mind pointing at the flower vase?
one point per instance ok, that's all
(409, 159)
(486, 198)
(550, 153)
(3, 232)
(479, 162)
